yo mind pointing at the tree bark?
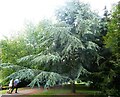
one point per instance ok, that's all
(73, 87)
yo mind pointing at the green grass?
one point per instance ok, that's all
(89, 92)
(54, 92)
(3, 91)
(80, 89)
(65, 90)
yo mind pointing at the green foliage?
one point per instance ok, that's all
(103, 54)
(24, 74)
(12, 49)
(110, 72)
(35, 34)
(47, 59)
(48, 79)
(66, 48)
(7, 69)
(112, 38)
(6, 72)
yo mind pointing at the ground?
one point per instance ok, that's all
(61, 91)
(25, 91)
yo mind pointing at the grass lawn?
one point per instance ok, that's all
(66, 90)
(3, 91)
(54, 92)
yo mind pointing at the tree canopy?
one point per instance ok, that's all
(112, 41)
(64, 48)
(51, 54)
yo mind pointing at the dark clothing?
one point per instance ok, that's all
(14, 87)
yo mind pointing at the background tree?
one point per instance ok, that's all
(103, 53)
(12, 49)
(112, 41)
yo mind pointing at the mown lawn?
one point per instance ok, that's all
(3, 91)
(66, 91)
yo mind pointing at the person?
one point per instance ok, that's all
(10, 85)
(15, 86)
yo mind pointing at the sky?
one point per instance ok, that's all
(15, 13)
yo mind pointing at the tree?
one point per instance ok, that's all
(96, 77)
(114, 31)
(83, 22)
(69, 48)
(12, 49)
(33, 35)
(112, 41)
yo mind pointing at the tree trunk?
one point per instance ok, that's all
(73, 87)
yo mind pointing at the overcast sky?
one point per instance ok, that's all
(14, 13)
